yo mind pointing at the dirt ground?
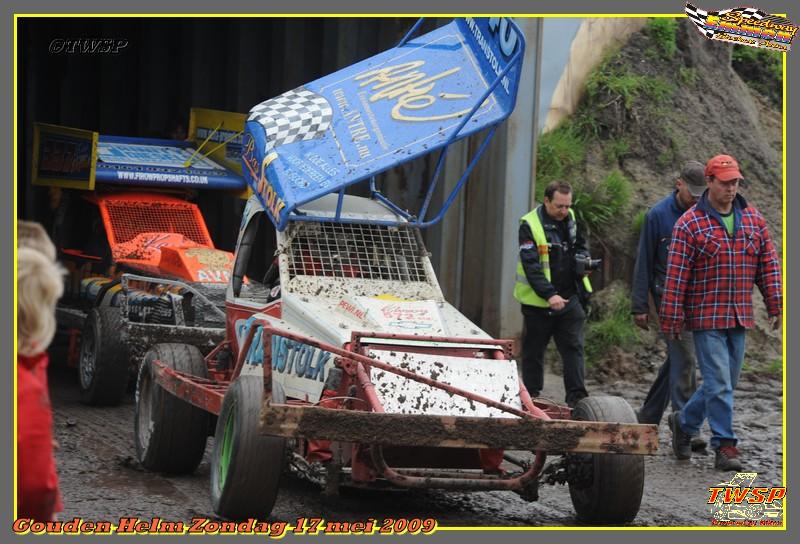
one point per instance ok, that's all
(101, 479)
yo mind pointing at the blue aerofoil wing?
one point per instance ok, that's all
(413, 99)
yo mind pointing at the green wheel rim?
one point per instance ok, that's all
(227, 448)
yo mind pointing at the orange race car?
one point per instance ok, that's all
(141, 269)
(141, 264)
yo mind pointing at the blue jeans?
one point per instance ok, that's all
(720, 354)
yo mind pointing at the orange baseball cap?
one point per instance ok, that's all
(723, 167)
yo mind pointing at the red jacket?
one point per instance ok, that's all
(710, 275)
(37, 482)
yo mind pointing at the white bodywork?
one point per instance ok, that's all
(337, 278)
(485, 377)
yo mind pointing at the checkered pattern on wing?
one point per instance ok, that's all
(294, 116)
(698, 17)
(752, 13)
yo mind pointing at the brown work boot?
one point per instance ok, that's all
(727, 458)
(681, 442)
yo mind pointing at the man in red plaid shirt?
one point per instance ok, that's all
(719, 249)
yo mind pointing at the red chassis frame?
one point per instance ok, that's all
(541, 426)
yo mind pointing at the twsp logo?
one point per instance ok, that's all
(87, 46)
(746, 26)
(739, 503)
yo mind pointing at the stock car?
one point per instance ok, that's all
(341, 353)
(141, 264)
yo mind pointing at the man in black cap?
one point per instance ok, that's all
(676, 379)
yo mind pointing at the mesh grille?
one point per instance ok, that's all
(356, 251)
(130, 218)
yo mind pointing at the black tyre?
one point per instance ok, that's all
(104, 362)
(170, 434)
(246, 466)
(606, 488)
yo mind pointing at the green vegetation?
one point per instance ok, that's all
(745, 165)
(559, 151)
(613, 150)
(662, 31)
(617, 94)
(764, 60)
(762, 69)
(597, 207)
(775, 366)
(638, 222)
(587, 124)
(614, 327)
(620, 83)
(688, 76)
(665, 158)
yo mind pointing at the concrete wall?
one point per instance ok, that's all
(557, 36)
(475, 247)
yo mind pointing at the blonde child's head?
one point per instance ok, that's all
(39, 285)
(32, 235)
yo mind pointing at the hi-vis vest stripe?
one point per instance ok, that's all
(523, 291)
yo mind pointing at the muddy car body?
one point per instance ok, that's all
(341, 353)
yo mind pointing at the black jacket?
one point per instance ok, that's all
(563, 249)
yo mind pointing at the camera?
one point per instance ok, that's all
(585, 264)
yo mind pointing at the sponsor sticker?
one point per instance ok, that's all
(739, 502)
(745, 26)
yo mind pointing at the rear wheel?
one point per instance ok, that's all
(606, 488)
(103, 362)
(246, 466)
(170, 433)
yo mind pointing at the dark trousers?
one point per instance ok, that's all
(566, 327)
(676, 379)
(675, 382)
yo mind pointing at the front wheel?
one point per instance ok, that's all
(170, 433)
(246, 466)
(606, 488)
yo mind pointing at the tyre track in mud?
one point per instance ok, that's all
(101, 479)
(99, 475)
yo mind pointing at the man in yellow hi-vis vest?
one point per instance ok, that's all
(552, 286)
